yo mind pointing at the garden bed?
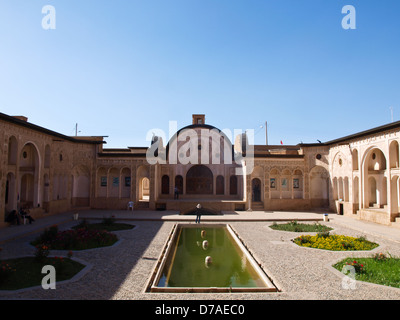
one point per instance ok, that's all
(105, 225)
(294, 226)
(379, 269)
(335, 242)
(26, 272)
(79, 239)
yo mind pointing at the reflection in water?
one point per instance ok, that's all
(212, 262)
(208, 261)
(244, 261)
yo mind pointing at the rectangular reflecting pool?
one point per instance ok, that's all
(207, 258)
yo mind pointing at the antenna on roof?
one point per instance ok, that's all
(76, 130)
(391, 113)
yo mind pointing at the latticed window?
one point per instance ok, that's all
(199, 180)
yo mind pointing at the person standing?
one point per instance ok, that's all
(176, 193)
(198, 213)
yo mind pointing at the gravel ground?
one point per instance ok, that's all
(121, 272)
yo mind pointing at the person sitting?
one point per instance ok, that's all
(26, 215)
(130, 205)
(12, 216)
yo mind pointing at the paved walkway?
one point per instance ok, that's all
(122, 271)
(14, 232)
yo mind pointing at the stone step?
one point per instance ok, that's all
(382, 206)
(257, 206)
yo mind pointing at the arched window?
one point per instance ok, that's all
(256, 189)
(220, 185)
(199, 180)
(12, 150)
(355, 159)
(179, 183)
(394, 154)
(233, 185)
(165, 184)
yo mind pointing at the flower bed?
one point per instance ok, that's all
(294, 226)
(79, 239)
(335, 242)
(379, 269)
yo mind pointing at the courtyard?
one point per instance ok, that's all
(122, 271)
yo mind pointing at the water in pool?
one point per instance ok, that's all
(187, 265)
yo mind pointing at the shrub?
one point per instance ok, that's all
(5, 271)
(304, 240)
(323, 234)
(42, 251)
(48, 235)
(380, 257)
(82, 225)
(347, 245)
(109, 221)
(81, 239)
(73, 239)
(358, 267)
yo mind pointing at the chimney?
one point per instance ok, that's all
(22, 118)
(198, 119)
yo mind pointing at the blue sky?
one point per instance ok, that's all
(120, 68)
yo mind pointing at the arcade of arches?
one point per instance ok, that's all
(48, 172)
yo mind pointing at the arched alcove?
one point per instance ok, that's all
(374, 177)
(256, 190)
(220, 185)
(179, 183)
(319, 186)
(199, 180)
(12, 150)
(80, 186)
(233, 185)
(354, 156)
(394, 154)
(165, 184)
(143, 182)
(29, 167)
